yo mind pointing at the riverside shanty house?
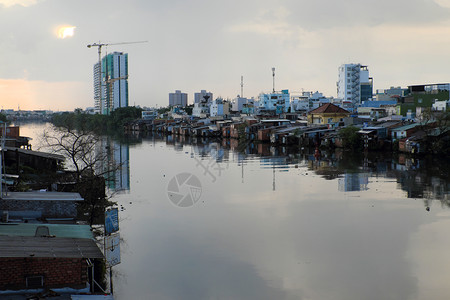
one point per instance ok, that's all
(13, 138)
(45, 262)
(328, 114)
(38, 251)
(18, 157)
(29, 206)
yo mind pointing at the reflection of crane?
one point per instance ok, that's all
(100, 45)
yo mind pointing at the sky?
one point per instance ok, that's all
(208, 45)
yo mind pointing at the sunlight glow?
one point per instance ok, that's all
(65, 31)
(443, 3)
(24, 3)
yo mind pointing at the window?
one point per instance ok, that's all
(34, 281)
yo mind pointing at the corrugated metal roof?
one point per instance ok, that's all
(43, 196)
(37, 153)
(92, 297)
(58, 230)
(405, 127)
(25, 246)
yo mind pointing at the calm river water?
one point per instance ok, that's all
(206, 221)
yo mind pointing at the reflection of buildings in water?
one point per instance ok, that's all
(353, 182)
(213, 151)
(116, 167)
(122, 174)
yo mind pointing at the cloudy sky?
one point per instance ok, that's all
(208, 44)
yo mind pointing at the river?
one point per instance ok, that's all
(205, 221)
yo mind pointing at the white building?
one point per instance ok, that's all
(440, 105)
(300, 102)
(354, 83)
(203, 96)
(178, 98)
(274, 102)
(216, 108)
(200, 110)
(238, 103)
(150, 114)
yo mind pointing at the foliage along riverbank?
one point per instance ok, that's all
(100, 124)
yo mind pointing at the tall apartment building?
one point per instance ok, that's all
(202, 96)
(178, 98)
(111, 83)
(354, 83)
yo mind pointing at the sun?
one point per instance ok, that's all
(65, 31)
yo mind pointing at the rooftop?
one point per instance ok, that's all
(58, 230)
(25, 246)
(329, 108)
(37, 153)
(405, 127)
(42, 196)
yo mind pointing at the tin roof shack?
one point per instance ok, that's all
(264, 134)
(286, 135)
(13, 138)
(37, 205)
(17, 157)
(237, 129)
(373, 137)
(45, 262)
(45, 229)
(404, 131)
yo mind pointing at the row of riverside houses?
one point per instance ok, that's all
(381, 122)
(45, 251)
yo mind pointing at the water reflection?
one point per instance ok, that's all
(418, 177)
(282, 223)
(116, 167)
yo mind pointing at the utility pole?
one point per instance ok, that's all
(242, 86)
(273, 75)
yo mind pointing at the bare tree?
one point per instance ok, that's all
(82, 149)
(86, 155)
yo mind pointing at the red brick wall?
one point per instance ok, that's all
(11, 131)
(57, 272)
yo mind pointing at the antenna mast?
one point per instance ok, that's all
(273, 75)
(242, 86)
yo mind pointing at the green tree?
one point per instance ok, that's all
(122, 115)
(188, 109)
(351, 139)
(3, 118)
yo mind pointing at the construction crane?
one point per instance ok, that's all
(99, 45)
(109, 86)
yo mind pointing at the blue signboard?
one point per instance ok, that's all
(111, 221)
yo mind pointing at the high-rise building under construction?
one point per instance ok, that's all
(111, 92)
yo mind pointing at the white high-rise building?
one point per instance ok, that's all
(354, 83)
(111, 90)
